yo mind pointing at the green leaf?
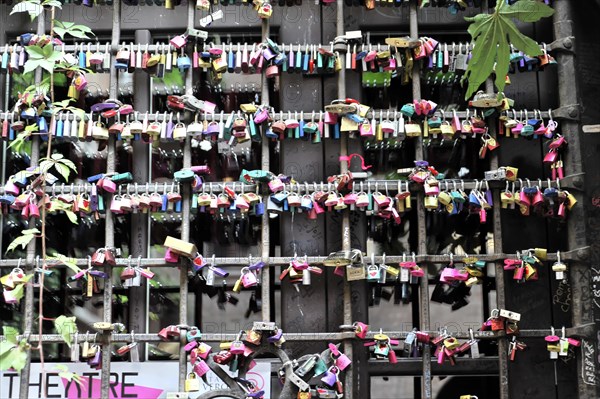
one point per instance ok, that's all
(22, 240)
(35, 52)
(72, 216)
(47, 50)
(60, 31)
(526, 10)
(492, 36)
(57, 156)
(62, 170)
(61, 367)
(5, 346)
(68, 163)
(65, 326)
(10, 334)
(18, 292)
(45, 165)
(67, 375)
(65, 261)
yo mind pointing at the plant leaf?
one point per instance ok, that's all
(35, 52)
(65, 326)
(492, 36)
(526, 10)
(62, 170)
(23, 240)
(68, 163)
(72, 216)
(57, 156)
(60, 31)
(10, 334)
(65, 261)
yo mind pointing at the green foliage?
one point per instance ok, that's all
(63, 372)
(13, 354)
(19, 142)
(61, 164)
(23, 240)
(492, 35)
(78, 31)
(41, 57)
(34, 7)
(65, 326)
(65, 261)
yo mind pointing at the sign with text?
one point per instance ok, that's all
(147, 380)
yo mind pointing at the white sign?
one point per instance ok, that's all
(147, 380)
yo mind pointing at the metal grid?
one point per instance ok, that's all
(581, 321)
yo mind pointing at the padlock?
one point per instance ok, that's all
(431, 202)
(181, 247)
(237, 347)
(276, 185)
(248, 278)
(128, 273)
(192, 384)
(342, 361)
(179, 131)
(99, 131)
(373, 273)
(201, 368)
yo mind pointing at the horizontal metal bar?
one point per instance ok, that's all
(239, 46)
(291, 337)
(574, 255)
(392, 115)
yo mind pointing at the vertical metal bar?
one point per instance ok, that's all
(109, 222)
(265, 165)
(346, 241)
(185, 222)
(139, 221)
(31, 250)
(499, 272)
(580, 279)
(422, 231)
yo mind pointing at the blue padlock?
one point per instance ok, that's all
(184, 63)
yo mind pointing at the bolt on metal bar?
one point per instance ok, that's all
(265, 242)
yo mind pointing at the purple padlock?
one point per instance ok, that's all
(276, 337)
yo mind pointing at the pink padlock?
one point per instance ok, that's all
(518, 273)
(431, 189)
(25, 212)
(538, 198)
(272, 71)
(178, 41)
(342, 361)
(34, 211)
(312, 214)
(391, 66)
(276, 185)
(524, 199)
(170, 256)
(396, 216)
(551, 156)
(203, 350)
(252, 364)
(366, 129)
(339, 271)
(115, 205)
(201, 368)
(461, 275)
(482, 216)
(248, 278)
(417, 272)
(331, 118)
(448, 275)
(11, 188)
(107, 185)
(381, 200)
(350, 198)
(561, 210)
(241, 203)
(360, 329)
(190, 345)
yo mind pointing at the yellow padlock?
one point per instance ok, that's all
(348, 125)
(192, 384)
(431, 202)
(181, 247)
(99, 131)
(571, 200)
(412, 129)
(541, 253)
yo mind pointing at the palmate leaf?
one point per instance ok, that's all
(492, 36)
